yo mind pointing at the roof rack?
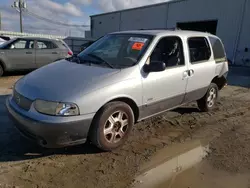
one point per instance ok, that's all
(173, 28)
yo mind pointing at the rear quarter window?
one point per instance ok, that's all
(43, 45)
(218, 50)
(199, 49)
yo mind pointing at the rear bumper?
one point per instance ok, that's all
(51, 132)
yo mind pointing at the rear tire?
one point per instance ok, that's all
(111, 126)
(208, 102)
(1, 70)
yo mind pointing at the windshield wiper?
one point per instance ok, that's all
(100, 59)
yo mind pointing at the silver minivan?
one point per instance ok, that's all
(28, 53)
(119, 80)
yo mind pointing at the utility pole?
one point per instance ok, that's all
(20, 5)
(0, 21)
(21, 16)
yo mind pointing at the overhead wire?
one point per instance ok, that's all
(53, 21)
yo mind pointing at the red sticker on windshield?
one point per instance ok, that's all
(137, 45)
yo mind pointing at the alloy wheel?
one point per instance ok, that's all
(211, 97)
(116, 127)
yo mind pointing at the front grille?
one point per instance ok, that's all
(22, 101)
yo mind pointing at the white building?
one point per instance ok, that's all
(228, 19)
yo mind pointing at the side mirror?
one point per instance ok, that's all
(154, 66)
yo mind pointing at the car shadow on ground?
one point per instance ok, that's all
(14, 147)
(186, 110)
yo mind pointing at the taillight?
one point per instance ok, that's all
(70, 52)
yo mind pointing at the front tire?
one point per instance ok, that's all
(208, 102)
(1, 70)
(111, 126)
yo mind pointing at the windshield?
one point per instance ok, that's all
(116, 50)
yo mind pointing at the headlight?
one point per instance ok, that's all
(56, 108)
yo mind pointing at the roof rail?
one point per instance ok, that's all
(172, 28)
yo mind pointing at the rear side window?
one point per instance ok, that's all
(46, 45)
(218, 50)
(199, 49)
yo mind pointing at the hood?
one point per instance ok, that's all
(60, 80)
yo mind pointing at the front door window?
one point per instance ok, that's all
(22, 44)
(170, 51)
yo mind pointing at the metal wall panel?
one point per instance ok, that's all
(75, 43)
(244, 38)
(227, 12)
(87, 34)
(144, 18)
(103, 24)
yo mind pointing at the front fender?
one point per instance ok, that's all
(3, 64)
(92, 102)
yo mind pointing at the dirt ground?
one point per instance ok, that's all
(205, 176)
(24, 164)
(231, 151)
(227, 164)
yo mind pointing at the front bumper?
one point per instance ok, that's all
(50, 131)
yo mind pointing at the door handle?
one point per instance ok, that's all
(188, 73)
(191, 72)
(28, 52)
(54, 53)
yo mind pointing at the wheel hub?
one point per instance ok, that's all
(117, 126)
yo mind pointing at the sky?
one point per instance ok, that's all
(66, 11)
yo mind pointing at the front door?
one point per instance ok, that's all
(20, 55)
(46, 52)
(165, 90)
(202, 68)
